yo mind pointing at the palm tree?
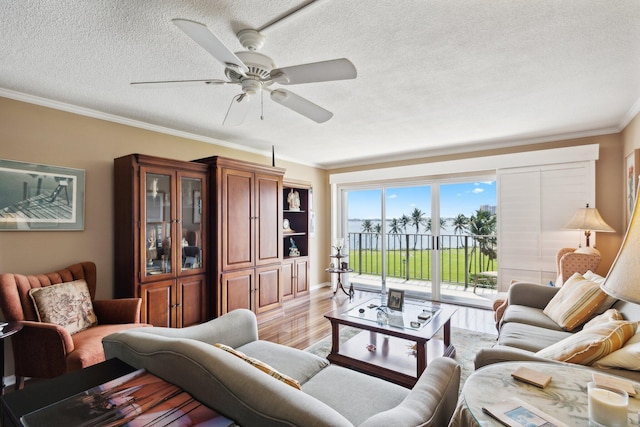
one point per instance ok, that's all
(366, 225)
(482, 226)
(417, 219)
(377, 229)
(395, 227)
(460, 224)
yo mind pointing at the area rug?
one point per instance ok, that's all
(466, 342)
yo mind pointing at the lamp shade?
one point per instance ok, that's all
(623, 280)
(588, 219)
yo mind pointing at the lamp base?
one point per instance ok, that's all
(589, 250)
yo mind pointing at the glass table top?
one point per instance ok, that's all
(414, 315)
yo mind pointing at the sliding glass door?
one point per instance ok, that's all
(430, 239)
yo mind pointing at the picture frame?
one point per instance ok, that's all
(38, 197)
(631, 163)
(197, 207)
(155, 207)
(395, 300)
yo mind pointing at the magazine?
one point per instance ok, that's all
(137, 399)
(516, 413)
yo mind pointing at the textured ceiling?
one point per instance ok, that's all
(433, 76)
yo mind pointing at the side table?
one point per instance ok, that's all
(339, 270)
(565, 398)
(9, 329)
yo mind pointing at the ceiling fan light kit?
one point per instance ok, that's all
(255, 72)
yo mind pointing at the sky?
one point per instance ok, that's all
(457, 198)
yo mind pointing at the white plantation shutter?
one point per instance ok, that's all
(534, 203)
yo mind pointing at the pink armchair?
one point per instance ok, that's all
(45, 350)
(570, 262)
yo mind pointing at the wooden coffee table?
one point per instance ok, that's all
(387, 351)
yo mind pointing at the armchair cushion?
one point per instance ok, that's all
(66, 304)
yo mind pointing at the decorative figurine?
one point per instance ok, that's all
(294, 200)
(293, 249)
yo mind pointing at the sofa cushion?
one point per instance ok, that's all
(354, 395)
(66, 304)
(589, 345)
(529, 337)
(628, 357)
(295, 363)
(264, 367)
(529, 316)
(575, 302)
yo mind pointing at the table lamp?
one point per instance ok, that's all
(622, 281)
(588, 219)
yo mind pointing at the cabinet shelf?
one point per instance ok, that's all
(294, 212)
(297, 233)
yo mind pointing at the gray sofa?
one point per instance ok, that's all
(330, 395)
(524, 329)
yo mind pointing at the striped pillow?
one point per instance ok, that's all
(575, 302)
(262, 366)
(592, 344)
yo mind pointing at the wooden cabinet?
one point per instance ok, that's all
(245, 235)
(295, 277)
(160, 238)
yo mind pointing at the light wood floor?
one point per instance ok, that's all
(305, 324)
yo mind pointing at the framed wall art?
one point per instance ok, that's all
(632, 163)
(35, 197)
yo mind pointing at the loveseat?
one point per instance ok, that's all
(526, 332)
(329, 395)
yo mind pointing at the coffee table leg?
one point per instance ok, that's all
(421, 356)
(335, 337)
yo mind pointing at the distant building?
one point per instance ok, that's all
(488, 208)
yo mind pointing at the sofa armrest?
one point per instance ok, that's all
(117, 311)
(500, 353)
(531, 294)
(28, 345)
(431, 402)
(236, 328)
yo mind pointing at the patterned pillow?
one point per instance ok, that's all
(589, 345)
(66, 304)
(262, 366)
(575, 302)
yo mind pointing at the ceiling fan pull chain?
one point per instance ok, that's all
(262, 105)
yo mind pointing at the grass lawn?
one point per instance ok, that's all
(452, 263)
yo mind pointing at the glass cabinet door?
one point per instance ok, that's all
(157, 223)
(190, 221)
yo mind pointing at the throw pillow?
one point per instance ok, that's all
(609, 301)
(628, 357)
(592, 344)
(607, 316)
(66, 304)
(262, 366)
(575, 302)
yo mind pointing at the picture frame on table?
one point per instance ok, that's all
(37, 197)
(395, 300)
(632, 164)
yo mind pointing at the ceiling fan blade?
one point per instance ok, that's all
(237, 111)
(335, 69)
(172, 83)
(301, 105)
(209, 42)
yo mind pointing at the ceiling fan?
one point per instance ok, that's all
(256, 73)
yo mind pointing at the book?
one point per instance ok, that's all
(531, 376)
(517, 413)
(137, 399)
